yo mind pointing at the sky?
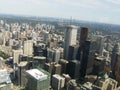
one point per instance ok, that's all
(107, 11)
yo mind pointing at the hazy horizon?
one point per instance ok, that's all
(104, 11)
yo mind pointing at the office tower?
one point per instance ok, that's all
(57, 69)
(63, 64)
(49, 67)
(50, 55)
(116, 68)
(101, 65)
(37, 79)
(58, 82)
(23, 57)
(67, 79)
(53, 68)
(39, 49)
(53, 55)
(5, 81)
(100, 44)
(46, 37)
(28, 47)
(83, 35)
(73, 51)
(39, 61)
(105, 83)
(88, 54)
(53, 43)
(72, 85)
(70, 37)
(22, 67)
(56, 55)
(16, 54)
(73, 69)
(115, 51)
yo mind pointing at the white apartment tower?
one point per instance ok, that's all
(69, 39)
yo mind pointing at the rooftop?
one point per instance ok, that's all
(58, 76)
(37, 74)
(4, 76)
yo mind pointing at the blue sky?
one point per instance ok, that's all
(107, 11)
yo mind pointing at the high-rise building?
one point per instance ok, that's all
(53, 68)
(67, 79)
(73, 69)
(116, 68)
(53, 55)
(46, 37)
(58, 82)
(83, 35)
(99, 43)
(73, 51)
(63, 64)
(101, 65)
(39, 61)
(72, 85)
(5, 81)
(69, 39)
(115, 51)
(106, 83)
(39, 49)
(28, 47)
(16, 54)
(22, 67)
(37, 79)
(88, 54)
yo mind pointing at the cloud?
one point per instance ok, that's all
(117, 2)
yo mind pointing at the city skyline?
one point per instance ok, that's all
(106, 11)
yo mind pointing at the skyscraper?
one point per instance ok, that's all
(28, 47)
(37, 79)
(83, 35)
(115, 51)
(88, 54)
(69, 39)
(16, 54)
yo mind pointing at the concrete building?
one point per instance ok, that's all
(116, 68)
(70, 37)
(37, 79)
(28, 47)
(58, 82)
(106, 83)
(63, 64)
(22, 67)
(38, 61)
(101, 65)
(53, 55)
(100, 44)
(72, 85)
(115, 51)
(45, 35)
(67, 79)
(53, 68)
(16, 54)
(5, 81)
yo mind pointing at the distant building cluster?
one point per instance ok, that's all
(41, 57)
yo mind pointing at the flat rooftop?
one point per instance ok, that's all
(37, 74)
(58, 77)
